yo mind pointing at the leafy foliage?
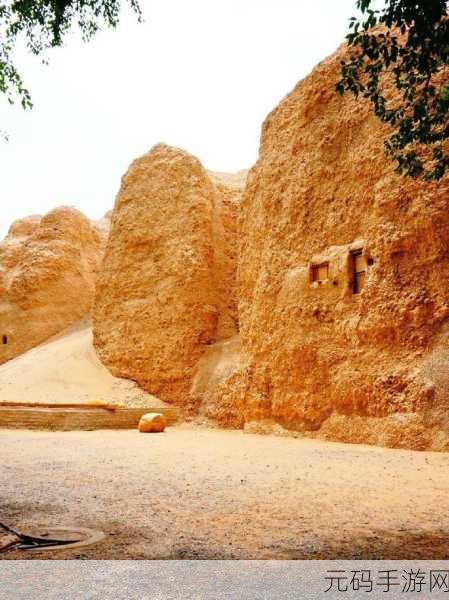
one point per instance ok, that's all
(44, 24)
(399, 60)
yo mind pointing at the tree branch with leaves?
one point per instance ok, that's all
(399, 58)
(44, 24)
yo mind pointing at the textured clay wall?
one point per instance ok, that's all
(48, 267)
(321, 359)
(166, 291)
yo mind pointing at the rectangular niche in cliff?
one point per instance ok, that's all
(4, 339)
(319, 273)
(358, 263)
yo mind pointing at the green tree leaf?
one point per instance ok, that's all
(406, 42)
(44, 24)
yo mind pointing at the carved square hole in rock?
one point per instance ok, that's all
(4, 339)
(358, 263)
(320, 272)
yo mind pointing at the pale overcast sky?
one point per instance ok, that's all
(198, 74)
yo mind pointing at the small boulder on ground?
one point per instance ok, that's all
(152, 423)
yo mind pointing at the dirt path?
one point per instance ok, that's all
(196, 493)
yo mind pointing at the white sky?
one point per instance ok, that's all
(198, 74)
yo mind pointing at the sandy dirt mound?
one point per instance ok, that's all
(65, 370)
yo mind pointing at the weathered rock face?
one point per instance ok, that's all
(167, 287)
(219, 384)
(343, 279)
(48, 267)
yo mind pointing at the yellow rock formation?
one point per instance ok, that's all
(166, 291)
(48, 267)
(317, 302)
(343, 278)
(343, 281)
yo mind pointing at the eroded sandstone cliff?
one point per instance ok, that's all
(48, 267)
(343, 279)
(315, 300)
(166, 291)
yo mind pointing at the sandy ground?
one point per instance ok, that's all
(199, 493)
(66, 369)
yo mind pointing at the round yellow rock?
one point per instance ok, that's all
(152, 423)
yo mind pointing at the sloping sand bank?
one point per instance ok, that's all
(67, 370)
